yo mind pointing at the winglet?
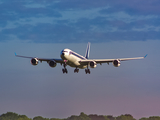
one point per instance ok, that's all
(15, 54)
(87, 51)
(145, 56)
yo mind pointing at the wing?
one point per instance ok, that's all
(42, 59)
(85, 62)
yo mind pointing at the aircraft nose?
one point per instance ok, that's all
(62, 53)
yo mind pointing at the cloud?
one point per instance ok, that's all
(16, 10)
(61, 33)
(73, 21)
(136, 7)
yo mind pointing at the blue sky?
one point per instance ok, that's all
(115, 29)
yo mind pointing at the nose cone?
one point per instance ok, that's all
(62, 54)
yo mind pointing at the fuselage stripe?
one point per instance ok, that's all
(78, 56)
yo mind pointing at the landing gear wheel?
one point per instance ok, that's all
(64, 70)
(89, 71)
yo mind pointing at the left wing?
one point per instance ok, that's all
(108, 60)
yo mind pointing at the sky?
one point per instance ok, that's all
(116, 29)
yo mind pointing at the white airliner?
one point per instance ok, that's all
(73, 59)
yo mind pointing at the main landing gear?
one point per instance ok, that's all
(64, 70)
(87, 71)
(76, 70)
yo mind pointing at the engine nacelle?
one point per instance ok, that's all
(52, 63)
(116, 63)
(34, 61)
(93, 64)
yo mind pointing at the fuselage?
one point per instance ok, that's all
(72, 58)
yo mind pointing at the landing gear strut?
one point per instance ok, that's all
(64, 70)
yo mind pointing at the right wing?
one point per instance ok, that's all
(42, 59)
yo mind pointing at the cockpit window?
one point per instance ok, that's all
(65, 51)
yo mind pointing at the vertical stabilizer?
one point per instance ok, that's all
(87, 51)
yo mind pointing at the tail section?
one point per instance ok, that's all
(87, 51)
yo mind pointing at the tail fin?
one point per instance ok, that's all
(87, 51)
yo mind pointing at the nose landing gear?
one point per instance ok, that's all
(64, 70)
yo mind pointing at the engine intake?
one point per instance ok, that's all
(116, 63)
(34, 61)
(93, 64)
(52, 63)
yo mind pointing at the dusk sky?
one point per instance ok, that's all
(116, 29)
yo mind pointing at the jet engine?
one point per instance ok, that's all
(52, 63)
(34, 61)
(93, 64)
(116, 63)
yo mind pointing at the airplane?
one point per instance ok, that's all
(73, 59)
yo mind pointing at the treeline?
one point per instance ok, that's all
(82, 116)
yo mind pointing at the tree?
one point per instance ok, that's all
(151, 118)
(9, 116)
(98, 117)
(55, 119)
(125, 117)
(13, 116)
(143, 118)
(109, 117)
(154, 118)
(40, 118)
(23, 117)
(82, 116)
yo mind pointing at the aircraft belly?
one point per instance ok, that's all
(76, 65)
(73, 62)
